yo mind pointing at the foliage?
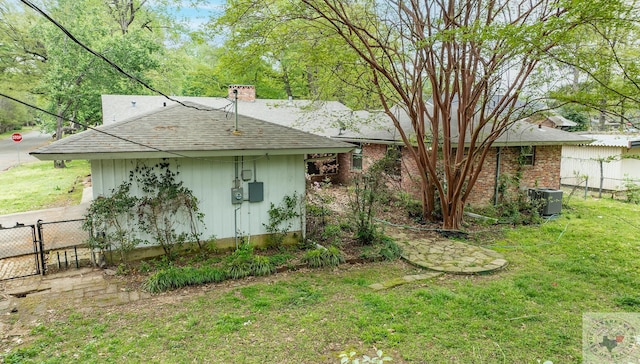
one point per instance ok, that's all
(598, 69)
(365, 197)
(281, 218)
(178, 277)
(352, 358)
(165, 206)
(442, 84)
(515, 206)
(317, 210)
(632, 190)
(239, 263)
(12, 116)
(389, 250)
(108, 221)
(288, 57)
(529, 312)
(385, 249)
(262, 266)
(242, 263)
(581, 118)
(321, 257)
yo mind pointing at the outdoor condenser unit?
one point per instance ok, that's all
(550, 200)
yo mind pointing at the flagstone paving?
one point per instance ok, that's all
(448, 256)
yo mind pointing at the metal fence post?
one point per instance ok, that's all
(43, 265)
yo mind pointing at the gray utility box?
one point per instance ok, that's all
(549, 200)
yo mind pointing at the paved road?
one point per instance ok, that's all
(12, 153)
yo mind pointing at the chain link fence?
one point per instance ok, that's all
(43, 248)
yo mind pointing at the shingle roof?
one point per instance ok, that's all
(318, 117)
(519, 133)
(187, 131)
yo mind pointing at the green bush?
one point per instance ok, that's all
(390, 250)
(243, 263)
(262, 266)
(177, 277)
(332, 234)
(386, 249)
(320, 257)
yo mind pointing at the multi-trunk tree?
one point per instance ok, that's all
(457, 69)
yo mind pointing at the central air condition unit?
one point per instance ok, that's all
(549, 200)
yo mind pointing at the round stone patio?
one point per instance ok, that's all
(449, 256)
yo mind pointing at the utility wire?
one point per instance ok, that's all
(88, 126)
(119, 137)
(101, 56)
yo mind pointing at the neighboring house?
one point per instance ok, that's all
(609, 156)
(262, 161)
(556, 121)
(534, 151)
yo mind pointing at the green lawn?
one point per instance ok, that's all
(23, 130)
(585, 261)
(38, 185)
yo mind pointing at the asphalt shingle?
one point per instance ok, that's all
(190, 129)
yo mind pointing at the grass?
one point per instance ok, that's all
(37, 185)
(585, 261)
(22, 130)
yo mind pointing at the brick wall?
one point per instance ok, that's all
(545, 172)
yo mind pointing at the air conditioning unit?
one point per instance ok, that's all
(550, 200)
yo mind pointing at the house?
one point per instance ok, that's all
(236, 166)
(532, 150)
(373, 134)
(555, 121)
(324, 118)
(610, 158)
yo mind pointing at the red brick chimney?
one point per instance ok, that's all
(245, 92)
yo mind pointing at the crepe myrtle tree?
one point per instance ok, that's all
(457, 68)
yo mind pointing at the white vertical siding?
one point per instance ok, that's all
(211, 180)
(584, 160)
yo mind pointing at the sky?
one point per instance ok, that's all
(200, 14)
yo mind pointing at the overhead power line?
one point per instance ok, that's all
(101, 56)
(116, 136)
(90, 127)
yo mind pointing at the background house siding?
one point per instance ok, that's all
(585, 161)
(211, 180)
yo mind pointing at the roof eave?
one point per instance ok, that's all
(187, 154)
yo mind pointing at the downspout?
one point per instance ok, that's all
(497, 178)
(235, 213)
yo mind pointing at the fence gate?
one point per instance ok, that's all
(20, 252)
(63, 245)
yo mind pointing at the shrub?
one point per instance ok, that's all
(332, 234)
(321, 257)
(262, 266)
(390, 250)
(281, 219)
(176, 277)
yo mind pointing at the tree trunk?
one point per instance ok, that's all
(287, 83)
(59, 121)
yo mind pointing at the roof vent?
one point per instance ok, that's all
(133, 104)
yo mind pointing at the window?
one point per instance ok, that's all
(356, 158)
(321, 164)
(527, 155)
(394, 160)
